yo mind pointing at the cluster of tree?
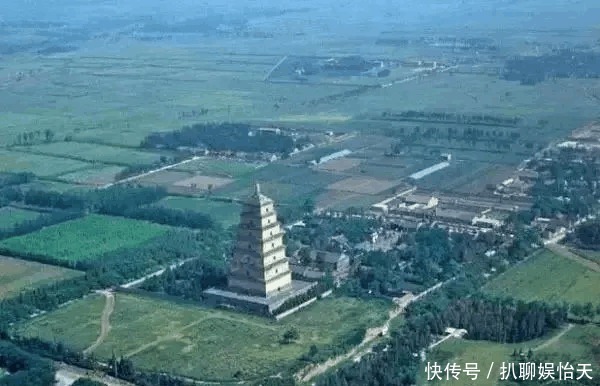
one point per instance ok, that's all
(319, 230)
(321, 287)
(588, 234)
(24, 369)
(40, 222)
(119, 200)
(565, 63)
(87, 382)
(237, 137)
(10, 179)
(192, 113)
(32, 137)
(503, 321)
(190, 279)
(422, 259)
(469, 119)
(567, 185)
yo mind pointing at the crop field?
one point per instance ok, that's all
(96, 176)
(96, 153)
(363, 185)
(577, 345)
(9, 216)
(18, 275)
(339, 165)
(40, 165)
(164, 178)
(85, 238)
(202, 182)
(548, 277)
(225, 213)
(219, 167)
(227, 342)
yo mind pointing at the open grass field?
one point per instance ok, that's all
(226, 213)
(9, 216)
(40, 165)
(85, 238)
(17, 275)
(96, 153)
(577, 345)
(549, 277)
(204, 343)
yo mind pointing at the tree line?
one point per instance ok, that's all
(444, 117)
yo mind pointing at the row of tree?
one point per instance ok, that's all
(469, 119)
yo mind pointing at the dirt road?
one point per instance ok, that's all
(555, 338)
(109, 307)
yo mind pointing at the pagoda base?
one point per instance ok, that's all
(256, 304)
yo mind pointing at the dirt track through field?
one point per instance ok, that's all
(565, 252)
(109, 307)
(555, 338)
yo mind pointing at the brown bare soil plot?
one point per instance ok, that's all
(339, 165)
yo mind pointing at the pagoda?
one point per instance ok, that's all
(259, 266)
(259, 277)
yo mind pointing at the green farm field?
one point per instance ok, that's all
(96, 153)
(85, 238)
(226, 213)
(40, 165)
(166, 336)
(18, 275)
(9, 216)
(549, 277)
(576, 344)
